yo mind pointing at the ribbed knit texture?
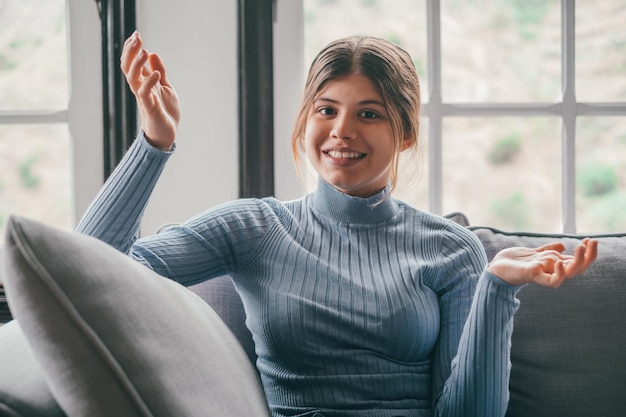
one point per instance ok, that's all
(356, 309)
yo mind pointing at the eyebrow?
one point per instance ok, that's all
(360, 103)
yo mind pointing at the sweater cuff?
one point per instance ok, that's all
(150, 150)
(505, 286)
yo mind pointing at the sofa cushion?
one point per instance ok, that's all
(568, 347)
(23, 389)
(114, 338)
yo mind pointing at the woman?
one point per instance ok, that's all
(359, 305)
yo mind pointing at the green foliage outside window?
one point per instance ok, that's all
(529, 14)
(506, 149)
(512, 211)
(27, 176)
(597, 180)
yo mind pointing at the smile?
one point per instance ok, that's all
(345, 155)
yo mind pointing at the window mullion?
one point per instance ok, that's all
(434, 107)
(601, 109)
(33, 117)
(120, 111)
(501, 109)
(568, 71)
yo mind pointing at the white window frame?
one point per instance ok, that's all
(436, 110)
(83, 114)
(568, 109)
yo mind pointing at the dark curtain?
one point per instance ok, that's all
(256, 98)
(119, 108)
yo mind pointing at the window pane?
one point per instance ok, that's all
(35, 175)
(400, 21)
(601, 174)
(501, 50)
(601, 50)
(412, 184)
(33, 55)
(503, 172)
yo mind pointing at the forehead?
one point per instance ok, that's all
(353, 87)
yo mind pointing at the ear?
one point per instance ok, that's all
(407, 142)
(301, 144)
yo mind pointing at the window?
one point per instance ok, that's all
(50, 123)
(524, 116)
(35, 176)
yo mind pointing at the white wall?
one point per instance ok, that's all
(288, 84)
(85, 106)
(198, 42)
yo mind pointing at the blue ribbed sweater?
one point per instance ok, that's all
(356, 309)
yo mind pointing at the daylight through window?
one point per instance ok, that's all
(524, 105)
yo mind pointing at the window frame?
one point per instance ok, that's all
(119, 116)
(435, 110)
(83, 113)
(256, 97)
(568, 109)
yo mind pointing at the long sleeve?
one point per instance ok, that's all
(215, 242)
(478, 383)
(115, 214)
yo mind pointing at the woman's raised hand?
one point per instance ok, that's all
(159, 108)
(546, 265)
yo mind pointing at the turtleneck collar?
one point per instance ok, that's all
(330, 202)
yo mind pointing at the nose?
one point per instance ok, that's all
(344, 127)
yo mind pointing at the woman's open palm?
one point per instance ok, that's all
(159, 108)
(546, 265)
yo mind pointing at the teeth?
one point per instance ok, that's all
(345, 155)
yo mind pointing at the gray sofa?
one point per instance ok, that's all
(568, 350)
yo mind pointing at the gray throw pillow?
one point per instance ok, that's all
(568, 349)
(114, 338)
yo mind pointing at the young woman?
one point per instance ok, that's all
(359, 305)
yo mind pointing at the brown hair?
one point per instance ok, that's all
(387, 66)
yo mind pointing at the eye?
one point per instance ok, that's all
(326, 111)
(369, 114)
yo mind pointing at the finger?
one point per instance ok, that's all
(552, 246)
(559, 275)
(575, 265)
(156, 64)
(547, 260)
(584, 255)
(592, 251)
(145, 91)
(589, 253)
(550, 279)
(553, 254)
(131, 47)
(137, 72)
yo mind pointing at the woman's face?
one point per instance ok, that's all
(348, 137)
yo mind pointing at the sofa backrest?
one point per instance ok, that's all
(568, 350)
(220, 293)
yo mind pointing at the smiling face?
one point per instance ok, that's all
(348, 136)
(360, 109)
